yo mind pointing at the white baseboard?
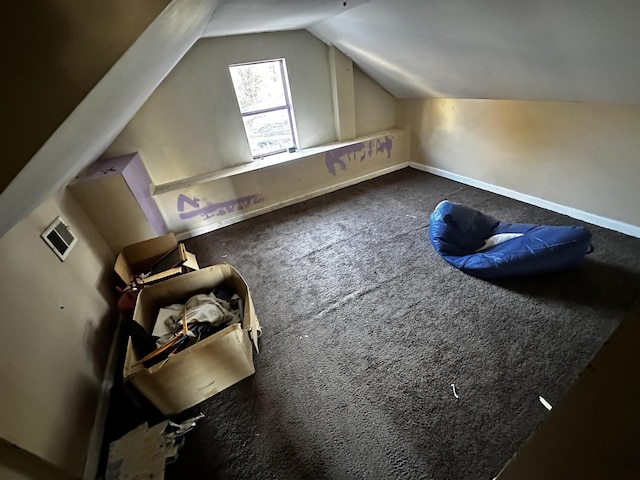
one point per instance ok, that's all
(270, 208)
(598, 220)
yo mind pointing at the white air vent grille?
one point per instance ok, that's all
(59, 238)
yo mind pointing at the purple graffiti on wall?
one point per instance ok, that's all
(384, 145)
(358, 151)
(209, 210)
(332, 158)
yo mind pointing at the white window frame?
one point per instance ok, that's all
(286, 106)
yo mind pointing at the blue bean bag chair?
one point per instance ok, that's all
(487, 248)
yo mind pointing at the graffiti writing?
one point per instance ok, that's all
(193, 207)
(358, 151)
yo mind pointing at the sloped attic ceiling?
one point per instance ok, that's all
(236, 17)
(97, 120)
(562, 50)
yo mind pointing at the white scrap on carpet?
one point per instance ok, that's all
(546, 404)
(455, 394)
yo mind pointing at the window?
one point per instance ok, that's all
(263, 96)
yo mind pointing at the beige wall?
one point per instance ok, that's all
(209, 205)
(191, 124)
(583, 156)
(58, 324)
(375, 107)
(191, 128)
(18, 464)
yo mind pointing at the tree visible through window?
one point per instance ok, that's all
(265, 104)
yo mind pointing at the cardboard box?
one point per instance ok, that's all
(139, 258)
(205, 368)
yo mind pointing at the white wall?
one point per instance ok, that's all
(58, 323)
(375, 107)
(191, 124)
(579, 155)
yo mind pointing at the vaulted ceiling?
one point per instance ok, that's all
(563, 50)
(559, 50)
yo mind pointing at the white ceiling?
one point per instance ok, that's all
(234, 17)
(564, 50)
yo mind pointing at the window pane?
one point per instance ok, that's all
(258, 85)
(268, 132)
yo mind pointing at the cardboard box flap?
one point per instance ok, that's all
(172, 272)
(252, 325)
(172, 259)
(139, 257)
(123, 269)
(191, 261)
(255, 330)
(161, 257)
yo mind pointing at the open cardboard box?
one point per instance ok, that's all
(138, 258)
(205, 368)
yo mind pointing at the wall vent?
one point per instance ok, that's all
(59, 238)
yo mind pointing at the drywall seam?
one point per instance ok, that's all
(598, 220)
(292, 201)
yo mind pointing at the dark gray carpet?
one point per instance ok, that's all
(365, 329)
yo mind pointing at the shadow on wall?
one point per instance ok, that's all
(97, 339)
(72, 440)
(34, 41)
(99, 332)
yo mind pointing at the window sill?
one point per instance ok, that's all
(259, 164)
